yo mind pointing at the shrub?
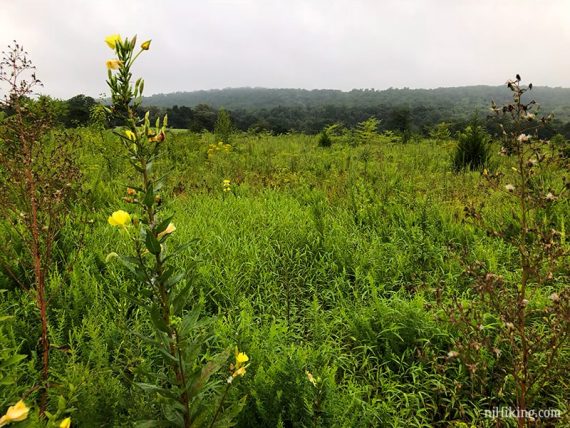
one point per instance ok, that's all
(324, 139)
(473, 149)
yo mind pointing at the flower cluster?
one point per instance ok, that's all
(114, 41)
(217, 148)
(226, 184)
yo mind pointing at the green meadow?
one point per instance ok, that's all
(338, 271)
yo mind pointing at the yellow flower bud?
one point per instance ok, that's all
(112, 40)
(114, 64)
(130, 135)
(146, 45)
(66, 423)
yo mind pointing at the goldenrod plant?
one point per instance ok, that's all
(187, 390)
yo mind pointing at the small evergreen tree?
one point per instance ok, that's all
(324, 139)
(473, 149)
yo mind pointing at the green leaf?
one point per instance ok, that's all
(132, 298)
(179, 298)
(147, 387)
(152, 243)
(149, 168)
(149, 196)
(166, 274)
(161, 227)
(157, 320)
(61, 403)
(136, 270)
(172, 281)
(14, 359)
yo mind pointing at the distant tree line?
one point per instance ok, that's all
(420, 120)
(404, 111)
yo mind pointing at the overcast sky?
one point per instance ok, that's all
(344, 44)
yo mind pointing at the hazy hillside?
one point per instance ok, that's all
(555, 100)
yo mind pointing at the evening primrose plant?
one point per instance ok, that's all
(185, 388)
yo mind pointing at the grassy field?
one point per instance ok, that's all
(335, 269)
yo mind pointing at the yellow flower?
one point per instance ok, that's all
(171, 228)
(112, 40)
(66, 423)
(114, 64)
(15, 413)
(120, 218)
(146, 45)
(241, 358)
(239, 368)
(130, 135)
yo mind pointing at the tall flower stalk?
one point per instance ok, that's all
(164, 291)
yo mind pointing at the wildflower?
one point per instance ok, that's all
(66, 423)
(112, 40)
(16, 413)
(523, 138)
(227, 185)
(241, 358)
(131, 191)
(239, 367)
(510, 187)
(114, 64)
(130, 135)
(146, 45)
(171, 228)
(120, 219)
(453, 354)
(311, 378)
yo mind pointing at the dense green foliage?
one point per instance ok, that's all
(339, 264)
(473, 148)
(403, 110)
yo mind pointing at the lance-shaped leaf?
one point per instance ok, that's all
(152, 244)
